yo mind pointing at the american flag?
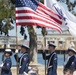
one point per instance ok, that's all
(32, 12)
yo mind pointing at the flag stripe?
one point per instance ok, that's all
(30, 11)
(69, 20)
(43, 16)
(34, 16)
(21, 10)
(39, 24)
(50, 13)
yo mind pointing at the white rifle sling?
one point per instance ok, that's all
(49, 66)
(21, 59)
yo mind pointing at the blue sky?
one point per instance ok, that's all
(13, 32)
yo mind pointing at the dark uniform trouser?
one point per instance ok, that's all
(10, 73)
(50, 72)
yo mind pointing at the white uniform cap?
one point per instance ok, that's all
(25, 46)
(8, 51)
(52, 44)
(72, 49)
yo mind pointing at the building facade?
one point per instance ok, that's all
(62, 41)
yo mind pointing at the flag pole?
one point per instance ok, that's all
(45, 52)
(45, 43)
(17, 48)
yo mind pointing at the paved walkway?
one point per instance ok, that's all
(41, 70)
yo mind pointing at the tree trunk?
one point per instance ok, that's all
(32, 44)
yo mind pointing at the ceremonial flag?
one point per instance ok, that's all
(69, 20)
(32, 12)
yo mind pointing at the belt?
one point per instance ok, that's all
(21, 66)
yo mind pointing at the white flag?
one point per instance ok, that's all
(69, 20)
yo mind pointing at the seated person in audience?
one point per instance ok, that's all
(32, 71)
(68, 71)
(74, 73)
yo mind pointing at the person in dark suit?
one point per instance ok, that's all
(6, 65)
(71, 59)
(52, 59)
(23, 60)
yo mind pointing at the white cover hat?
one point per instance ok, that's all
(25, 46)
(8, 51)
(72, 49)
(52, 44)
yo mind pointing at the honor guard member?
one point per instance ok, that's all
(71, 63)
(52, 60)
(6, 65)
(23, 60)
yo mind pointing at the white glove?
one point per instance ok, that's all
(25, 73)
(44, 49)
(29, 68)
(1, 65)
(16, 51)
